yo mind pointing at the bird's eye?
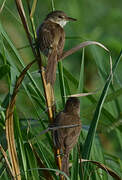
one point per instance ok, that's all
(60, 16)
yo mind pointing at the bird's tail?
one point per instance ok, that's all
(51, 68)
(65, 164)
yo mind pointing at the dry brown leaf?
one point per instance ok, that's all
(105, 168)
(10, 127)
(7, 161)
(24, 21)
(82, 94)
(80, 46)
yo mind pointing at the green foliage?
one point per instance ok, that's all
(101, 114)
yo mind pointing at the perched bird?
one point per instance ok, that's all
(51, 39)
(66, 138)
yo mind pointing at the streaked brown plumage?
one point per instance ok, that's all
(66, 138)
(51, 40)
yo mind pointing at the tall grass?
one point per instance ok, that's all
(34, 150)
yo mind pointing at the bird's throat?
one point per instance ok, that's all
(62, 23)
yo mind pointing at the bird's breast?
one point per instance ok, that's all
(49, 36)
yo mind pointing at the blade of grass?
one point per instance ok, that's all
(86, 114)
(19, 141)
(32, 163)
(15, 51)
(62, 85)
(46, 174)
(6, 161)
(81, 78)
(68, 91)
(10, 128)
(4, 69)
(92, 130)
(75, 164)
(70, 77)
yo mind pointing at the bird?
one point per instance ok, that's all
(65, 138)
(51, 40)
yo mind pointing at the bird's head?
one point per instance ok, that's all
(59, 17)
(72, 105)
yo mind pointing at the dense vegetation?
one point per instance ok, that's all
(86, 70)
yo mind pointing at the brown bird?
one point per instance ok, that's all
(66, 138)
(51, 39)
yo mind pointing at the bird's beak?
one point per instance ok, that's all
(71, 19)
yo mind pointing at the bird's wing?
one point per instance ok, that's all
(56, 134)
(44, 37)
(67, 136)
(51, 67)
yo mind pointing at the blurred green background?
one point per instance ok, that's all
(96, 20)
